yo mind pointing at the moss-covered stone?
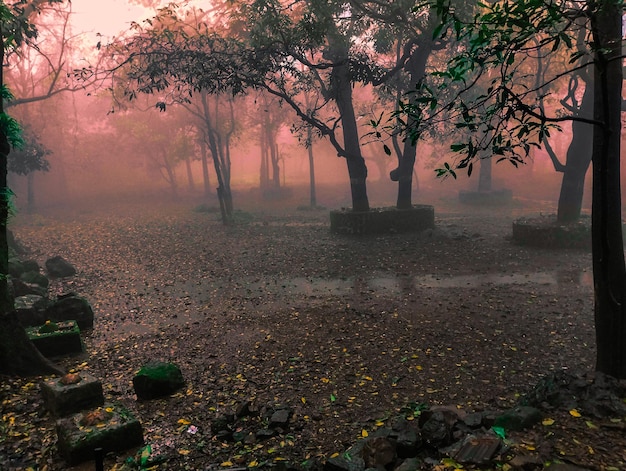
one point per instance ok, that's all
(62, 341)
(157, 379)
(69, 394)
(110, 427)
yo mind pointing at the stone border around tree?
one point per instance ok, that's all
(546, 233)
(382, 220)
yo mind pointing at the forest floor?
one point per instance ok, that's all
(345, 331)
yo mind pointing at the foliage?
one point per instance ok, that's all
(31, 157)
(501, 45)
(8, 125)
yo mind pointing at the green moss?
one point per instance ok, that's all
(48, 327)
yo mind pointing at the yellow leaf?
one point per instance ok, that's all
(364, 433)
(419, 368)
(547, 421)
(183, 422)
(590, 450)
(280, 458)
(303, 400)
(183, 452)
(253, 464)
(226, 464)
(325, 380)
(369, 378)
(334, 455)
(109, 409)
(574, 413)
(379, 423)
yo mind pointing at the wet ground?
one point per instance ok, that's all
(279, 310)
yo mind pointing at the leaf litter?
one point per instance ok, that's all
(174, 285)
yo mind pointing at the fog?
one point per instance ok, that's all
(105, 150)
(94, 159)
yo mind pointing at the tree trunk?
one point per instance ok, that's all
(609, 270)
(312, 194)
(192, 186)
(416, 66)
(485, 182)
(357, 169)
(18, 355)
(223, 190)
(577, 162)
(205, 168)
(30, 192)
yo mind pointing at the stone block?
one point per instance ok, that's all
(62, 340)
(111, 427)
(71, 393)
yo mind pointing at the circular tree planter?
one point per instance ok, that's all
(546, 232)
(492, 197)
(382, 220)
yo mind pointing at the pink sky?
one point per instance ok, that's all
(108, 18)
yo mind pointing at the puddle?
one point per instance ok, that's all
(378, 283)
(201, 292)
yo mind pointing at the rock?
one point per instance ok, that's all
(31, 265)
(222, 423)
(378, 452)
(477, 450)
(410, 464)
(519, 418)
(111, 427)
(64, 396)
(280, 418)
(35, 277)
(473, 420)
(21, 288)
(30, 309)
(599, 398)
(58, 267)
(407, 443)
(345, 462)
(436, 430)
(16, 267)
(265, 433)
(74, 307)
(14, 244)
(157, 379)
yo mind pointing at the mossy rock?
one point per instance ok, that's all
(157, 379)
(111, 427)
(382, 220)
(51, 342)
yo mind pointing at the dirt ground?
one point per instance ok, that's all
(345, 331)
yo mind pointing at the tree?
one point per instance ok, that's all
(18, 355)
(307, 46)
(502, 37)
(29, 159)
